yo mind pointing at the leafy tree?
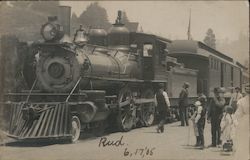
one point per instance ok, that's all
(47, 7)
(25, 18)
(95, 16)
(210, 38)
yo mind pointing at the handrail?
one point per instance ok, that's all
(67, 99)
(33, 85)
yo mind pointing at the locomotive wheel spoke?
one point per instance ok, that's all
(148, 109)
(125, 118)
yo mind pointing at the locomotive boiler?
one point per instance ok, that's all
(58, 68)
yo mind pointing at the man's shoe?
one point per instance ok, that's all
(201, 147)
(196, 145)
(211, 145)
(219, 142)
(219, 146)
(158, 130)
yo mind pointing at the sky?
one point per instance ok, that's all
(170, 18)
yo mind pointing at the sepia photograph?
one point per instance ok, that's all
(124, 80)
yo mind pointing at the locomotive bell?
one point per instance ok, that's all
(81, 37)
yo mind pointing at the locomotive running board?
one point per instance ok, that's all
(54, 122)
(125, 80)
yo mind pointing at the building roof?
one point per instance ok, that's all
(132, 26)
(159, 38)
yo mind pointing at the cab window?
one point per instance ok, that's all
(147, 50)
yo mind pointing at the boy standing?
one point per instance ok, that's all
(199, 121)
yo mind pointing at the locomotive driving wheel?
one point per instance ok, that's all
(148, 109)
(127, 111)
(76, 129)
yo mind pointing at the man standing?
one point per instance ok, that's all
(163, 104)
(215, 113)
(183, 104)
(235, 97)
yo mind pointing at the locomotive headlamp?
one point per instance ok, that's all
(52, 31)
(48, 32)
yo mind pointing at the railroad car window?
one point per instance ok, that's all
(222, 74)
(147, 50)
(212, 63)
(232, 75)
(215, 64)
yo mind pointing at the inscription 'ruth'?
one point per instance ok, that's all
(105, 142)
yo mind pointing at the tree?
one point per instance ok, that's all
(75, 24)
(125, 19)
(210, 38)
(45, 7)
(95, 16)
(25, 18)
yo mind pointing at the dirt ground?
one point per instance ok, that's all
(141, 143)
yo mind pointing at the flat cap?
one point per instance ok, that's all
(186, 84)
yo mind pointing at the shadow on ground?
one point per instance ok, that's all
(48, 142)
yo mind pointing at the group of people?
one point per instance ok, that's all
(224, 118)
(163, 105)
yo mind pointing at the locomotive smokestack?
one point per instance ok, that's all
(64, 14)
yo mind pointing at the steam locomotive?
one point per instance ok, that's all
(99, 79)
(83, 84)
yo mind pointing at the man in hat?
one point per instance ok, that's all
(163, 104)
(215, 113)
(235, 97)
(183, 104)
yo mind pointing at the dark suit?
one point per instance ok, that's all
(183, 106)
(215, 112)
(163, 108)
